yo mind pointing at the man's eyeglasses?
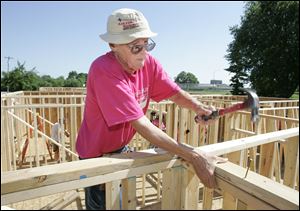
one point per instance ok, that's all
(135, 49)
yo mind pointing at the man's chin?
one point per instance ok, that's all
(139, 65)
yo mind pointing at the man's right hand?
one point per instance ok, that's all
(204, 165)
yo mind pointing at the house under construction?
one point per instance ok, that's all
(262, 171)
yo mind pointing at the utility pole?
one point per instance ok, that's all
(8, 58)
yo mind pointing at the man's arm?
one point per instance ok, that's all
(203, 164)
(184, 99)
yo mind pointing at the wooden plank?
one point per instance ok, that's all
(143, 190)
(213, 132)
(276, 117)
(259, 190)
(241, 205)
(207, 198)
(73, 128)
(37, 153)
(12, 143)
(277, 162)
(267, 153)
(29, 178)
(189, 190)
(158, 156)
(291, 161)
(182, 125)
(112, 195)
(171, 189)
(5, 159)
(246, 132)
(243, 143)
(227, 127)
(61, 203)
(6, 208)
(45, 180)
(166, 203)
(279, 108)
(194, 135)
(170, 120)
(158, 185)
(235, 157)
(129, 193)
(229, 201)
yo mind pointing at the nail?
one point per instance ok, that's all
(248, 166)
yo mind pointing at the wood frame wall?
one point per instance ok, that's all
(269, 159)
(256, 191)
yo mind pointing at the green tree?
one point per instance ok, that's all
(82, 77)
(19, 79)
(265, 49)
(46, 81)
(59, 82)
(184, 77)
(72, 82)
(72, 75)
(75, 79)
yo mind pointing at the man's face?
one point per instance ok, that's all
(133, 54)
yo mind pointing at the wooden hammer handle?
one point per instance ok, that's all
(236, 107)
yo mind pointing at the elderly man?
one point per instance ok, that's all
(120, 85)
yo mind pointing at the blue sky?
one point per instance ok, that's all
(59, 37)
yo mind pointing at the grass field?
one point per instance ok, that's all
(295, 96)
(209, 92)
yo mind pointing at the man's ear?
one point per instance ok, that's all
(112, 46)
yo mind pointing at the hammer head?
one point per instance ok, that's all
(252, 102)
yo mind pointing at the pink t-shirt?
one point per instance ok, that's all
(114, 98)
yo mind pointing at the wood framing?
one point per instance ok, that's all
(256, 190)
(272, 144)
(47, 180)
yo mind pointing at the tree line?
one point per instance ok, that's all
(21, 79)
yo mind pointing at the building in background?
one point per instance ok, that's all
(216, 82)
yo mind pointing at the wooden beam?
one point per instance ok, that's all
(112, 193)
(189, 190)
(208, 194)
(246, 132)
(129, 194)
(291, 161)
(171, 188)
(45, 180)
(261, 115)
(63, 201)
(267, 152)
(248, 142)
(256, 190)
(229, 201)
(278, 108)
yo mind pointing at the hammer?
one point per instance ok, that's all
(251, 102)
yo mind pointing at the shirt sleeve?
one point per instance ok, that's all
(115, 99)
(163, 86)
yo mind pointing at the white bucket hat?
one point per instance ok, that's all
(126, 25)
